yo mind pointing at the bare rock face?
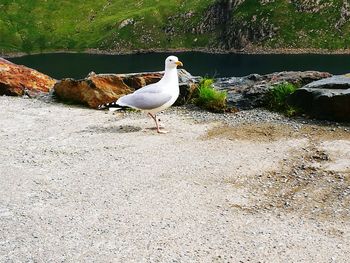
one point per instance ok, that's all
(310, 6)
(232, 32)
(17, 80)
(217, 15)
(99, 89)
(344, 15)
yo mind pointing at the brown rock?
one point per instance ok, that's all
(139, 80)
(92, 91)
(17, 80)
(99, 89)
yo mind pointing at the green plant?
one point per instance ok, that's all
(291, 111)
(209, 98)
(276, 98)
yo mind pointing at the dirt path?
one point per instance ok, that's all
(80, 185)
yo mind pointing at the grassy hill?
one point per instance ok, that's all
(116, 25)
(34, 25)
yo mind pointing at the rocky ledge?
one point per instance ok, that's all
(248, 92)
(321, 95)
(98, 89)
(17, 80)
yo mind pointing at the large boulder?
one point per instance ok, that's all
(325, 99)
(249, 92)
(97, 89)
(91, 91)
(16, 80)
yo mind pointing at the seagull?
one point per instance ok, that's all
(155, 97)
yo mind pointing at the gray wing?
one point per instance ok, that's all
(144, 101)
(151, 88)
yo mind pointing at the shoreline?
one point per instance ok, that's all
(248, 51)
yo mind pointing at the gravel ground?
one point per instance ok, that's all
(80, 185)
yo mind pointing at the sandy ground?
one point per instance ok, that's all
(80, 185)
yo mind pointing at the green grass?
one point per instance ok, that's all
(209, 98)
(48, 25)
(44, 25)
(276, 99)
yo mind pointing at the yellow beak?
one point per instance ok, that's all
(179, 63)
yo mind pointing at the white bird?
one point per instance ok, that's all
(155, 97)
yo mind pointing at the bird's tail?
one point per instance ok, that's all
(112, 106)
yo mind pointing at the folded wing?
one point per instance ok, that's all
(144, 100)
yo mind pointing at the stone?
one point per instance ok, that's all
(188, 85)
(17, 80)
(97, 89)
(249, 91)
(91, 91)
(126, 22)
(325, 99)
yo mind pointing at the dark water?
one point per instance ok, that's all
(62, 65)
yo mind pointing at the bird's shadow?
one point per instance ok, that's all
(112, 129)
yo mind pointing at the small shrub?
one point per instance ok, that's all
(276, 98)
(210, 98)
(291, 111)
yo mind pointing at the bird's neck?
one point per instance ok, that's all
(170, 74)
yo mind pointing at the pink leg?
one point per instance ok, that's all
(154, 117)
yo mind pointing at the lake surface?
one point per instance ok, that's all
(78, 65)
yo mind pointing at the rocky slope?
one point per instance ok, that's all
(148, 25)
(243, 24)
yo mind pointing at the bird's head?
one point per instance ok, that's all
(172, 62)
